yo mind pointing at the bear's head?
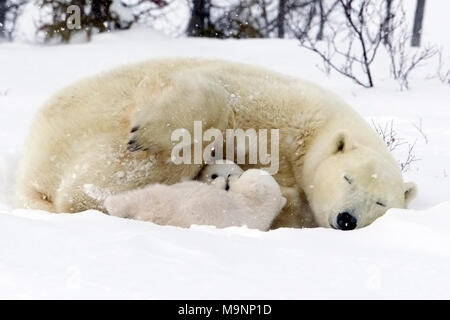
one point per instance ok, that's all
(350, 185)
(220, 173)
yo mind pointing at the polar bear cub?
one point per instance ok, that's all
(220, 174)
(225, 196)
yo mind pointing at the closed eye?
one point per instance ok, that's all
(348, 180)
(380, 204)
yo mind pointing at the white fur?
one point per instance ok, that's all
(254, 200)
(220, 174)
(80, 138)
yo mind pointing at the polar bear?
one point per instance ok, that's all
(220, 173)
(252, 199)
(113, 131)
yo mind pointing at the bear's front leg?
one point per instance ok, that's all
(296, 213)
(165, 105)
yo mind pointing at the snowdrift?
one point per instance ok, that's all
(404, 254)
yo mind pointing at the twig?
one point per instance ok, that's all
(393, 142)
(419, 128)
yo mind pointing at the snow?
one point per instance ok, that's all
(91, 255)
(404, 254)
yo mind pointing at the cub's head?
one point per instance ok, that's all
(261, 189)
(352, 185)
(220, 174)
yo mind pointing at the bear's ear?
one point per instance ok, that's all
(341, 143)
(410, 192)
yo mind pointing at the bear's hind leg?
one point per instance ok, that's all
(31, 198)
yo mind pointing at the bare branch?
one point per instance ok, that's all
(393, 142)
(350, 46)
(443, 70)
(419, 128)
(405, 60)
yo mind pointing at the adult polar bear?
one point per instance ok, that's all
(111, 133)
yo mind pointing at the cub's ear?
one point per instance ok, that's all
(341, 143)
(410, 192)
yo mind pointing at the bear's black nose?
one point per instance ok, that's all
(346, 221)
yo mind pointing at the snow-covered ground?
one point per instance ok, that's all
(404, 254)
